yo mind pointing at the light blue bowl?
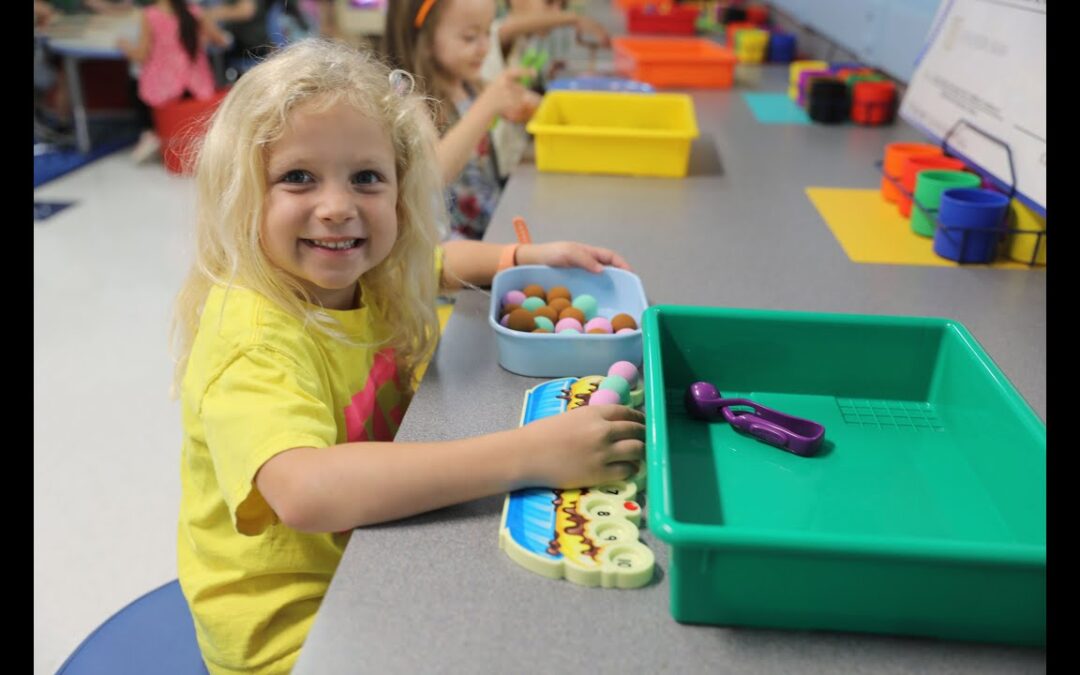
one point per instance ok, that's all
(564, 355)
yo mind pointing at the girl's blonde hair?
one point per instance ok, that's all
(413, 49)
(231, 184)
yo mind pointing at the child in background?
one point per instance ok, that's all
(528, 26)
(289, 21)
(247, 22)
(444, 44)
(173, 63)
(306, 314)
(537, 18)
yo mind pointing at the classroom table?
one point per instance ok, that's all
(76, 37)
(434, 593)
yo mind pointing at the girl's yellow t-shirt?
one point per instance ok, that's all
(258, 383)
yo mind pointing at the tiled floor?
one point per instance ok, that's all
(106, 434)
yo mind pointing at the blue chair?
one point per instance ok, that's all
(154, 634)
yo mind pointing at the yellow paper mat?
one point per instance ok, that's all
(871, 230)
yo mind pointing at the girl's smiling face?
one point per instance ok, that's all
(331, 203)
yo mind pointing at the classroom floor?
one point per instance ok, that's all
(106, 434)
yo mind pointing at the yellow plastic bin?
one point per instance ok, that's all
(614, 133)
(1022, 244)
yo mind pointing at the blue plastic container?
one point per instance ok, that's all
(970, 224)
(568, 354)
(781, 47)
(599, 84)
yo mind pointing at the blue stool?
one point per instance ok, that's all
(154, 634)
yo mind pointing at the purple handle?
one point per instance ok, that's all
(797, 435)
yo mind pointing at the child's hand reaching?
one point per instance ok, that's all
(526, 106)
(570, 254)
(591, 32)
(586, 446)
(508, 98)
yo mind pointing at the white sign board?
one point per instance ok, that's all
(985, 63)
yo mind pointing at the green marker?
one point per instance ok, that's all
(535, 59)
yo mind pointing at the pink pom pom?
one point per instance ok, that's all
(625, 370)
(513, 298)
(568, 322)
(604, 397)
(598, 322)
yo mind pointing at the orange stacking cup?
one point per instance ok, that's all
(895, 155)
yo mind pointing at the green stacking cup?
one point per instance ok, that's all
(854, 78)
(928, 188)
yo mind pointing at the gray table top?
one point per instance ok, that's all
(435, 594)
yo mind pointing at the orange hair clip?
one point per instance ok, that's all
(422, 13)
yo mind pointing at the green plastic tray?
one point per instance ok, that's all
(923, 514)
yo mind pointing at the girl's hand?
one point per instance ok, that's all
(570, 254)
(526, 106)
(506, 97)
(125, 45)
(591, 32)
(587, 446)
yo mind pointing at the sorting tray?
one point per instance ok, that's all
(923, 514)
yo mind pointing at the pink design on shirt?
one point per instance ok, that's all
(364, 404)
(168, 69)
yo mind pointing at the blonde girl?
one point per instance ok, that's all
(307, 312)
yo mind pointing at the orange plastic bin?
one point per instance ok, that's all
(675, 62)
(179, 125)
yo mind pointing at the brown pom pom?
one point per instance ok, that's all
(509, 308)
(559, 292)
(541, 330)
(548, 312)
(558, 304)
(620, 321)
(573, 312)
(598, 331)
(522, 319)
(535, 291)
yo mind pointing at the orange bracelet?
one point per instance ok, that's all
(508, 257)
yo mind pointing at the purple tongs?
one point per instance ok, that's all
(793, 434)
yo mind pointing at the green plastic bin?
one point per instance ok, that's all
(923, 514)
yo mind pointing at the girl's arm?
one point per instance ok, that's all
(517, 25)
(137, 53)
(476, 262)
(459, 142)
(238, 11)
(356, 484)
(502, 96)
(213, 33)
(469, 263)
(107, 7)
(328, 25)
